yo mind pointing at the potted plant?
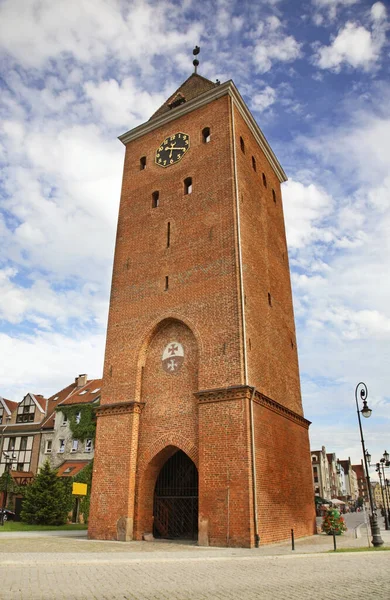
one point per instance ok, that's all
(333, 522)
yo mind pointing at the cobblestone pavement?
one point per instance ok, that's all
(47, 567)
(184, 576)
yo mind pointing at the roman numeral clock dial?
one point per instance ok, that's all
(172, 149)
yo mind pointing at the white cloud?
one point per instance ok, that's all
(123, 104)
(263, 99)
(47, 362)
(273, 46)
(305, 207)
(91, 31)
(355, 45)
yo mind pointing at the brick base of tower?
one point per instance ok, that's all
(122, 503)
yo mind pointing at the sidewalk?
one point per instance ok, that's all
(31, 543)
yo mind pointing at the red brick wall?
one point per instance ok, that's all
(225, 482)
(284, 478)
(271, 343)
(200, 261)
(116, 444)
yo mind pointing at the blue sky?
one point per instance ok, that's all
(76, 74)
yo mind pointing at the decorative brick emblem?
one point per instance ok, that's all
(172, 357)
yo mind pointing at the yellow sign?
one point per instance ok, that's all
(79, 489)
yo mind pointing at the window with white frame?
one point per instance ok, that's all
(62, 446)
(88, 445)
(48, 446)
(78, 417)
(75, 445)
(64, 419)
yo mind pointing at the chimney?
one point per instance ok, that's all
(81, 380)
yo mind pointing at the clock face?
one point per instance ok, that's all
(172, 149)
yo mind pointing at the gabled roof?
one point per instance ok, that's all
(38, 399)
(86, 395)
(9, 405)
(194, 86)
(53, 402)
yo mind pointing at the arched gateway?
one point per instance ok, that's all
(175, 505)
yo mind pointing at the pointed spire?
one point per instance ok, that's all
(195, 62)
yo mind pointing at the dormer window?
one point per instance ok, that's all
(177, 100)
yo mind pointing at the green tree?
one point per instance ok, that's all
(48, 499)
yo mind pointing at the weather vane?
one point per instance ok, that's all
(195, 62)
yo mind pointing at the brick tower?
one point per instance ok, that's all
(200, 432)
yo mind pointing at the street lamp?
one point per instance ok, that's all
(8, 462)
(385, 512)
(361, 389)
(385, 462)
(7, 422)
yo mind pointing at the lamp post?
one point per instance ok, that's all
(361, 390)
(387, 487)
(385, 462)
(8, 462)
(385, 513)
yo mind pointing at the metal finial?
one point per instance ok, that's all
(195, 62)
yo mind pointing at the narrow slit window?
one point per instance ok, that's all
(254, 163)
(264, 180)
(242, 145)
(168, 234)
(166, 282)
(206, 137)
(274, 196)
(155, 199)
(269, 299)
(142, 163)
(188, 185)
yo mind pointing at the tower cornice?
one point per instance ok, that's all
(227, 88)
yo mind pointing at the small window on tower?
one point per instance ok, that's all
(274, 196)
(168, 234)
(206, 135)
(166, 282)
(142, 163)
(254, 163)
(264, 180)
(269, 299)
(155, 199)
(188, 185)
(242, 145)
